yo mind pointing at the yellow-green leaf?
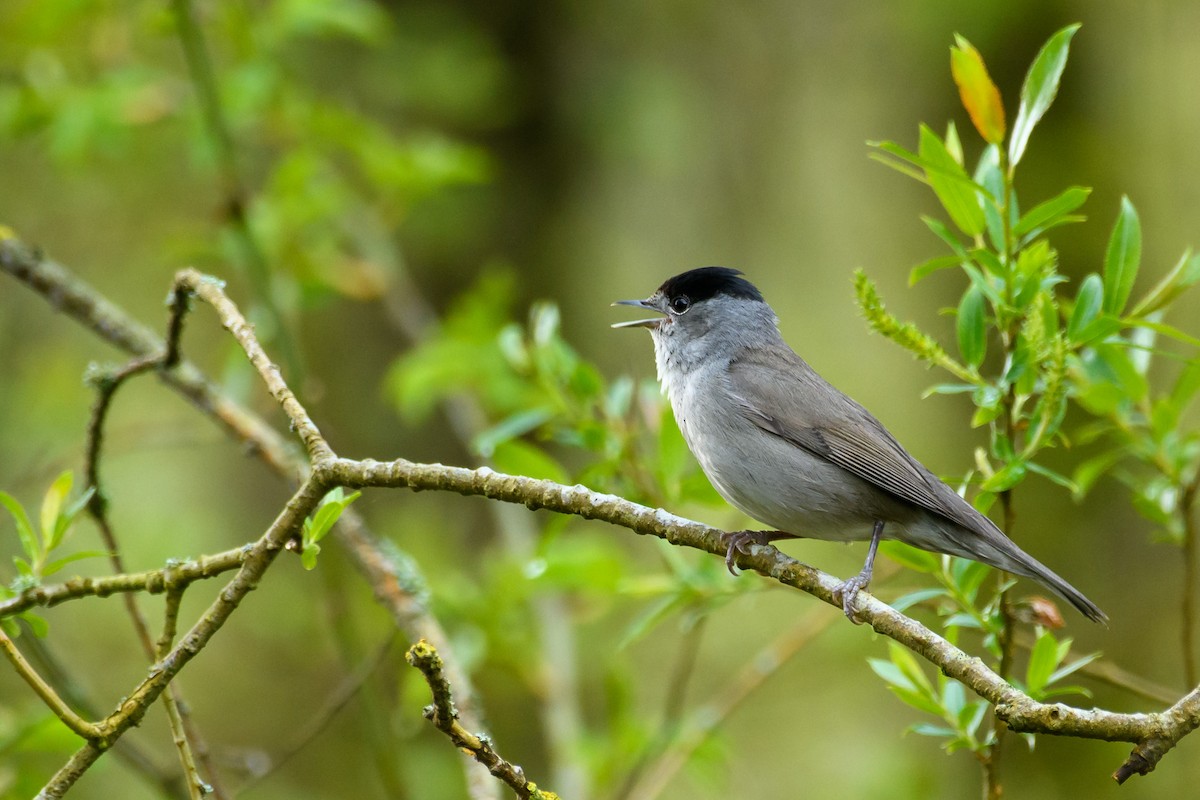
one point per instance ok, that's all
(52, 503)
(979, 94)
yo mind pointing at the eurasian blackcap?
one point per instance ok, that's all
(784, 446)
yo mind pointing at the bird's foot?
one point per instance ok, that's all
(848, 590)
(739, 542)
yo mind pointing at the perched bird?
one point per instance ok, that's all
(784, 446)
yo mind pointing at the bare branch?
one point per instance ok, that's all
(390, 575)
(43, 690)
(155, 581)
(444, 716)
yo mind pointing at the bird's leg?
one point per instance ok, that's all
(848, 589)
(740, 541)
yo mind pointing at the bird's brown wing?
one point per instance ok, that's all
(828, 424)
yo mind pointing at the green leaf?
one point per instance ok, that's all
(962, 620)
(1006, 477)
(650, 618)
(987, 404)
(945, 234)
(950, 183)
(321, 522)
(1071, 668)
(1090, 471)
(1158, 327)
(1122, 257)
(516, 425)
(967, 576)
(56, 565)
(1039, 89)
(953, 172)
(989, 175)
(909, 556)
(1186, 386)
(1043, 660)
(972, 327)
(1053, 476)
(52, 503)
(28, 538)
(308, 556)
(907, 663)
(1183, 275)
(1035, 265)
(947, 388)
(37, 624)
(929, 729)
(517, 457)
(1046, 213)
(67, 516)
(954, 699)
(1088, 303)
(907, 601)
(979, 94)
(891, 674)
(922, 271)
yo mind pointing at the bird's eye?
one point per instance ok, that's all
(680, 303)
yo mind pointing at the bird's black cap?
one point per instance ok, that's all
(705, 282)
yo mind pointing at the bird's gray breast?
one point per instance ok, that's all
(765, 476)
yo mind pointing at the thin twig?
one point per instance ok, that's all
(394, 579)
(197, 788)
(133, 707)
(1187, 591)
(234, 195)
(188, 739)
(43, 690)
(559, 697)
(165, 782)
(338, 699)
(154, 581)
(444, 716)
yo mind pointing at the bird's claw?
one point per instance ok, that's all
(847, 591)
(739, 542)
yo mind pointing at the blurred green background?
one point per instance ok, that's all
(589, 150)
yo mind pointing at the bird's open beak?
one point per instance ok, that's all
(639, 323)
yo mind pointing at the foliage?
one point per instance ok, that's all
(1025, 350)
(321, 523)
(330, 172)
(41, 543)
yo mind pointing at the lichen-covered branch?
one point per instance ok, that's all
(155, 581)
(394, 579)
(444, 716)
(1153, 733)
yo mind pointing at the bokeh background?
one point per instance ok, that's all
(590, 150)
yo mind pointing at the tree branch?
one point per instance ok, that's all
(1153, 733)
(394, 579)
(444, 716)
(155, 581)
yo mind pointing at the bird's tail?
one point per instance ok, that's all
(1017, 561)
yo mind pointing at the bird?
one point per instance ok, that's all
(784, 446)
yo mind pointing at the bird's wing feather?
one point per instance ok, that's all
(843, 432)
